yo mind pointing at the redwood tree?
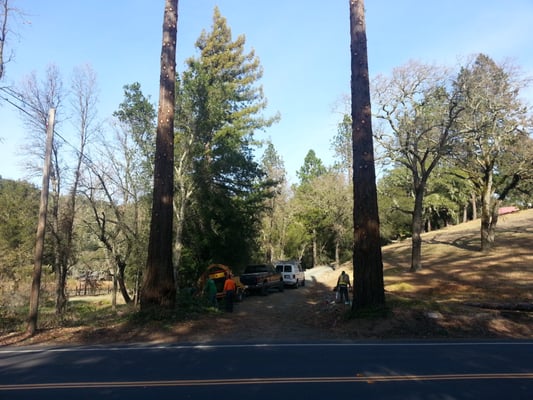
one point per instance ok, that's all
(367, 262)
(158, 288)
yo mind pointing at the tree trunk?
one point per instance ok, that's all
(487, 230)
(367, 261)
(158, 289)
(337, 253)
(474, 207)
(111, 265)
(416, 228)
(61, 295)
(121, 267)
(3, 33)
(184, 192)
(315, 252)
(41, 229)
(488, 237)
(178, 242)
(84, 90)
(119, 264)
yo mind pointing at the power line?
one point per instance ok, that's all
(15, 95)
(87, 161)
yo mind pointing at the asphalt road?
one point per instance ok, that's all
(380, 370)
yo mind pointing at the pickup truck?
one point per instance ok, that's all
(261, 278)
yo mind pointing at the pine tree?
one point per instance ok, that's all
(219, 111)
(312, 168)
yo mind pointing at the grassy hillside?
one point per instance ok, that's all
(454, 269)
(460, 292)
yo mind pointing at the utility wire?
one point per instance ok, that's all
(9, 92)
(87, 161)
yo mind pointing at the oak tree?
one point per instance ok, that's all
(495, 151)
(419, 110)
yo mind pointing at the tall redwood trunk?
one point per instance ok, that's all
(158, 289)
(367, 262)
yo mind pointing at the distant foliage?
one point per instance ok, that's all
(19, 210)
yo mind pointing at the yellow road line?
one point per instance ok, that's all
(262, 381)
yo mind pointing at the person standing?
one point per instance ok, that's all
(343, 283)
(229, 290)
(211, 290)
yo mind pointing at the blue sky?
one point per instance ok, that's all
(303, 46)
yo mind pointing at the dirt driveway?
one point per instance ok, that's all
(305, 313)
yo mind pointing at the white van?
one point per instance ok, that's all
(292, 273)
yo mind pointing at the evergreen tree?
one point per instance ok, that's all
(342, 146)
(274, 224)
(19, 213)
(137, 116)
(220, 111)
(19, 209)
(309, 202)
(311, 168)
(323, 206)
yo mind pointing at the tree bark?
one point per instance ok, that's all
(41, 228)
(181, 200)
(3, 33)
(315, 250)
(121, 268)
(487, 232)
(474, 206)
(337, 253)
(158, 289)
(367, 261)
(416, 228)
